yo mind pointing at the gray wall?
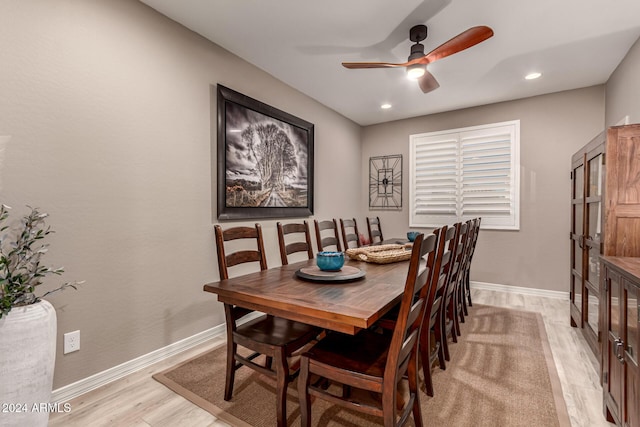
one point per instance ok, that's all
(552, 128)
(112, 120)
(110, 108)
(623, 89)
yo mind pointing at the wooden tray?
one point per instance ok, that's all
(345, 274)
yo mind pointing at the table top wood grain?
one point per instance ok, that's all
(343, 307)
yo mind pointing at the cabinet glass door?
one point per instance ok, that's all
(592, 240)
(632, 380)
(614, 344)
(577, 243)
(631, 331)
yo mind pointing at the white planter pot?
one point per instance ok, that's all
(27, 361)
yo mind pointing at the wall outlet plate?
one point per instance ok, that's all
(71, 342)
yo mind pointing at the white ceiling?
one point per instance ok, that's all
(574, 43)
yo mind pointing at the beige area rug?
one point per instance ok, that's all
(501, 374)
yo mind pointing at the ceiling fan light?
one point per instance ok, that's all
(415, 71)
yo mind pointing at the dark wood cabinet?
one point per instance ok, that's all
(620, 373)
(586, 239)
(605, 220)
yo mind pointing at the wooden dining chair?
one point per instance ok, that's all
(350, 234)
(452, 325)
(274, 337)
(451, 237)
(375, 229)
(373, 361)
(327, 235)
(430, 334)
(292, 247)
(467, 286)
(461, 306)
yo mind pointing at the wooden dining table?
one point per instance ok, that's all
(346, 307)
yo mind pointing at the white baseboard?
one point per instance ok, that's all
(68, 392)
(519, 290)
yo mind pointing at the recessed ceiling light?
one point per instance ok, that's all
(385, 106)
(533, 76)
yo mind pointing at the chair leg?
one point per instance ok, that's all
(412, 373)
(462, 308)
(425, 357)
(389, 408)
(443, 332)
(303, 393)
(454, 314)
(468, 286)
(282, 377)
(417, 411)
(465, 293)
(346, 391)
(438, 339)
(451, 313)
(232, 348)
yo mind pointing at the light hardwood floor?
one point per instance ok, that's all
(138, 400)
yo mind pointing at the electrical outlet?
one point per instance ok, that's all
(71, 342)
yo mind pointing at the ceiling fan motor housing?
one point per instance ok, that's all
(417, 34)
(417, 51)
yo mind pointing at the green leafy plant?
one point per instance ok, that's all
(21, 250)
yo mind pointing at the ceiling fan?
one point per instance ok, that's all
(417, 62)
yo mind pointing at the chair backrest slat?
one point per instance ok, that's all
(350, 233)
(375, 229)
(297, 246)
(241, 256)
(325, 241)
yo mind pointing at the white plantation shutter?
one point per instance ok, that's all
(466, 173)
(436, 179)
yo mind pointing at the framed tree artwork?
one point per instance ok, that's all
(385, 182)
(264, 160)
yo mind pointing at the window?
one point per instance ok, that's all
(459, 174)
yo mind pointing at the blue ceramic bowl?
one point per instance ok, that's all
(411, 235)
(330, 261)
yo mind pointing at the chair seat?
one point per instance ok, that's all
(365, 353)
(277, 331)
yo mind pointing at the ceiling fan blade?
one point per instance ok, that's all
(355, 65)
(462, 41)
(428, 83)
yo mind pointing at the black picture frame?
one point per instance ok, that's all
(262, 149)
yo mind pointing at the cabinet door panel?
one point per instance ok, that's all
(633, 397)
(614, 386)
(577, 248)
(631, 332)
(632, 388)
(592, 309)
(622, 192)
(595, 175)
(628, 170)
(626, 229)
